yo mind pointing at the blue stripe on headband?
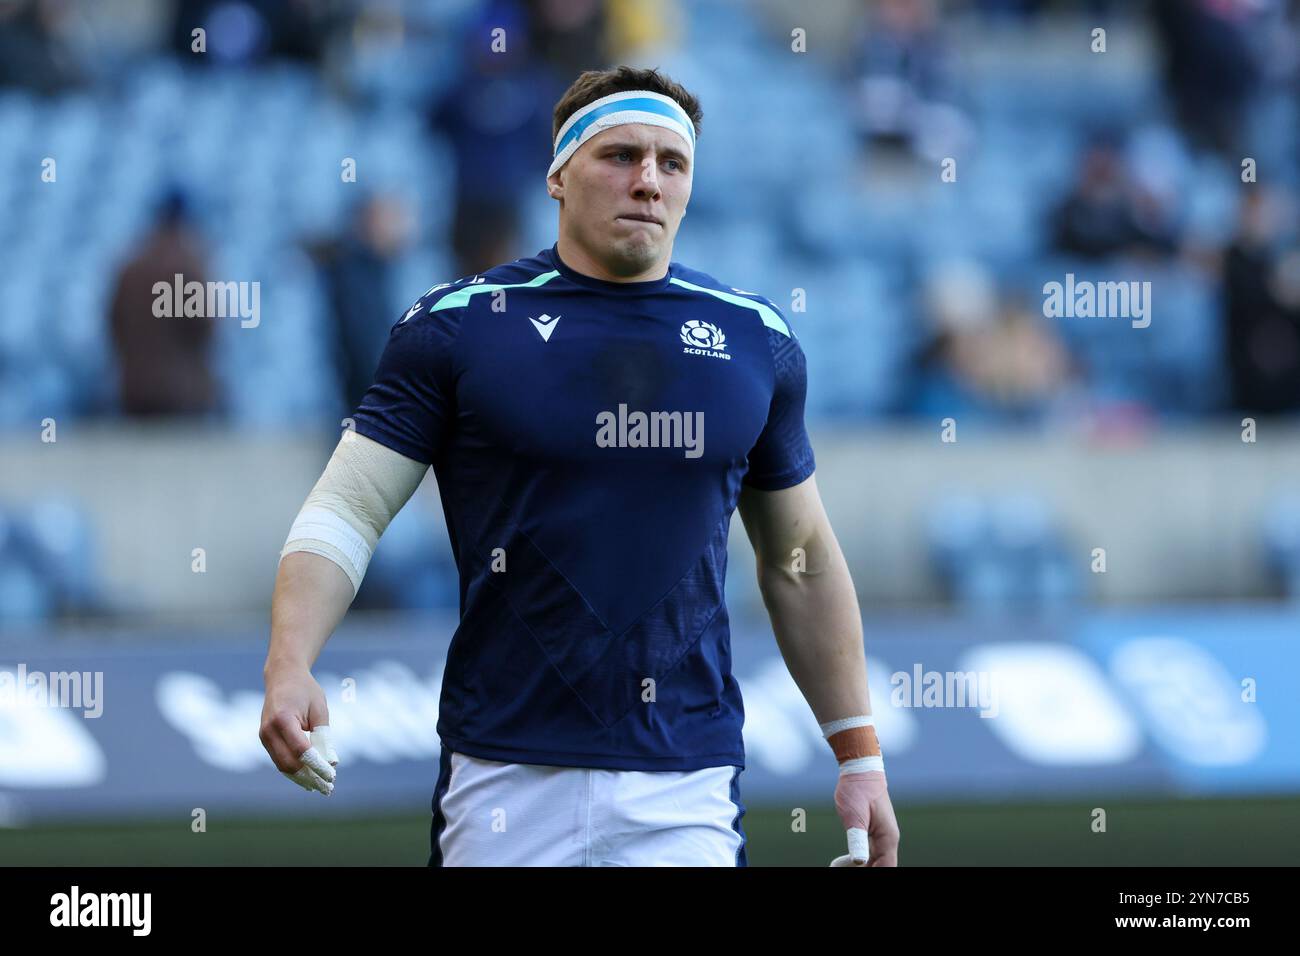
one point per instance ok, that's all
(640, 104)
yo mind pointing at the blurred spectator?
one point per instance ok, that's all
(986, 359)
(164, 363)
(32, 51)
(1108, 212)
(569, 35)
(1262, 292)
(358, 277)
(497, 119)
(906, 95)
(245, 31)
(1210, 71)
(252, 30)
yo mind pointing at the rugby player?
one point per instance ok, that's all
(593, 415)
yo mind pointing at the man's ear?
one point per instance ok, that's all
(554, 187)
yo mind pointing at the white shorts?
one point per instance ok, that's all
(487, 813)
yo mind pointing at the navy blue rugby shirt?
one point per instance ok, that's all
(611, 526)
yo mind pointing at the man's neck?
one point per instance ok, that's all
(578, 260)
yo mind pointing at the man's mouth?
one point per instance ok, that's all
(640, 217)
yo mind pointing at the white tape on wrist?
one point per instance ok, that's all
(862, 765)
(847, 723)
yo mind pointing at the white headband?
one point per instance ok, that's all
(631, 106)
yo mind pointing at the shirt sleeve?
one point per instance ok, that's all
(783, 455)
(410, 405)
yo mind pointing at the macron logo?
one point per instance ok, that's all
(544, 325)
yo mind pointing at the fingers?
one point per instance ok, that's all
(884, 834)
(859, 848)
(862, 802)
(884, 859)
(887, 856)
(284, 741)
(310, 779)
(295, 732)
(318, 712)
(882, 853)
(311, 757)
(315, 772)
(320, 739)
(307, 760)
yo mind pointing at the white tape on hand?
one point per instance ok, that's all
(859, 848)
(320, 739)
(316, 772)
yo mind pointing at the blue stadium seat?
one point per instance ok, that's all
(1001, 552)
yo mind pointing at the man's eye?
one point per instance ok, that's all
(623, 152)
(675, 163)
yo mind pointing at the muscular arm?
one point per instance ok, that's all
(324, 559)
(809, 595)
(811, 602)
(311, 596)
(325, 556)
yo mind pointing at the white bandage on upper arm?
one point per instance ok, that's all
(363, 486)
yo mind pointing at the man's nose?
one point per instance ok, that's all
(647, 184)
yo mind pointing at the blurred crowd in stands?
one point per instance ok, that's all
(969, 339)
(1230, 74)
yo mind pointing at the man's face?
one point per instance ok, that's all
(622, 173)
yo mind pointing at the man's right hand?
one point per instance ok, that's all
(295, 729)
(862, 801)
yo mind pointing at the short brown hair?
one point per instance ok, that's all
(593, 84)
